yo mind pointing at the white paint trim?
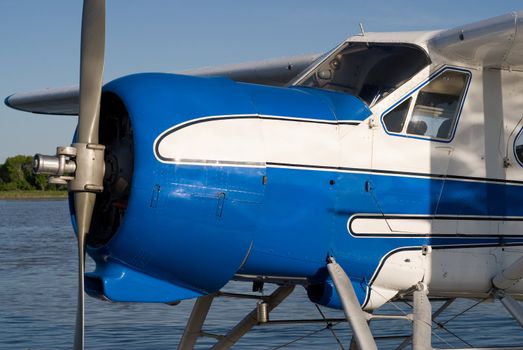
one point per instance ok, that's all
(410, 225)
(248, 140)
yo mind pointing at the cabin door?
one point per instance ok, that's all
(412, 150)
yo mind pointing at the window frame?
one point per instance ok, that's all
(414, 95)
(310, 71)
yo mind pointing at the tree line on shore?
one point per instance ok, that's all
(16, 174)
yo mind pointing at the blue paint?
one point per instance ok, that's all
(324, 294)
(344, 106)
(268, 101)
(121, 283)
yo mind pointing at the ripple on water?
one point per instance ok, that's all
(38, 293)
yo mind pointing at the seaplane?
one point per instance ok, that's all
(389, 168)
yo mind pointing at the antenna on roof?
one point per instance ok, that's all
(362, 31)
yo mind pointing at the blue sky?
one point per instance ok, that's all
(40, 42)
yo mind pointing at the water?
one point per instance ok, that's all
(38, 300)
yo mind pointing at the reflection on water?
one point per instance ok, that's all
(38, 300)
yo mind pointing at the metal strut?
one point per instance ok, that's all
(193, 330)
(406, 342)
(351, 306)
(422, 319)
(195, 323)
(506, 279)
(251, 319)
(513, 307)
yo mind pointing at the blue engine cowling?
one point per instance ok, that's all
(161, 232)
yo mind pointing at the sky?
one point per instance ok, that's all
(40, 42)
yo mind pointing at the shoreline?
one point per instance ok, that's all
(33, 195)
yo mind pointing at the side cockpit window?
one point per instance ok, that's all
(436, 109)
(395, 119)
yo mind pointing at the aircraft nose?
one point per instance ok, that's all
(181, 224)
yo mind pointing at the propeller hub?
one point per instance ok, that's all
(90, 162)
(80, 165)
(58, 165)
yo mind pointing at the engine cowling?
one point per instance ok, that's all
(189, 201)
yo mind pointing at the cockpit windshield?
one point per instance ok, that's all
(370, 71)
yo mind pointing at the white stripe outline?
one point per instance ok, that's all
(409, 235)
(239, 116)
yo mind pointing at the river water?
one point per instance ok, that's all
(38, 300)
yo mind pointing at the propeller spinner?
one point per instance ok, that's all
(81, 165)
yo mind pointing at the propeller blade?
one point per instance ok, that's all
(84, 204)
(91, 71)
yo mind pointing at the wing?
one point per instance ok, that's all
(276, 72)
(493, 43)
(64, 101)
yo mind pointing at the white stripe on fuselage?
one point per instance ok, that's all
(250, 140)
(423, 225)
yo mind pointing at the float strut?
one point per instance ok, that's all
(195, 323)
(422, 319)
(512, 306)
(353, 345)
(506, 279)
(510, 276)
(351, 306)
(251, 319)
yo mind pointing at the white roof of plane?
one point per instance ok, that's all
(419, 38)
